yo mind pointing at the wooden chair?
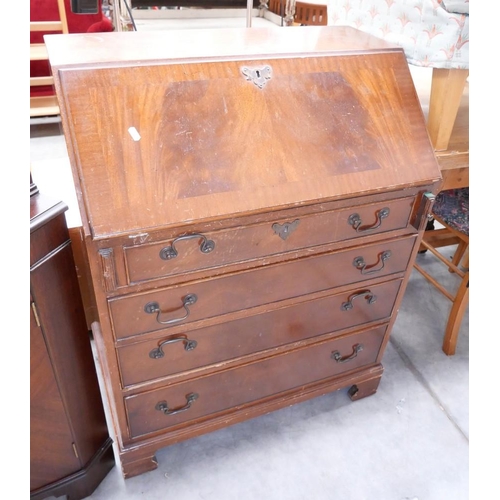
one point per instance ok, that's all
(451, 210)
(310, 14)
(277, 7)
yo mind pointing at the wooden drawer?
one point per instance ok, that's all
(150, 311)
(224, 391)
(177, 353)
(194, 251)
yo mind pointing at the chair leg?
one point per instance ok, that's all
(464, 263)
(447, 88)
(455, 317)
(459, 253)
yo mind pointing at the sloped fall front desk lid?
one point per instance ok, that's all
(165, 128)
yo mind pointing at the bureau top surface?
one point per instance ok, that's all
(148, 46)
(167, 128)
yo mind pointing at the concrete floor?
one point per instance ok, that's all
(409, 441)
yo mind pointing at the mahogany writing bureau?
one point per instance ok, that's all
(252, 202)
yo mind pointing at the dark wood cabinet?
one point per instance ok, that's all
(71, 451)
(252, 203)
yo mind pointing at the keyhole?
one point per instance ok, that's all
(257, 72)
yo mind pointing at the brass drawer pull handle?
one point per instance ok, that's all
(158, 353)
(369, 296)
(163, 405)
(154, 307)
(359, 263)
(354, 220)
(170, 252)
(339, 359)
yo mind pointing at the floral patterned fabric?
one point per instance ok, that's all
(432, 33)
(452, 207)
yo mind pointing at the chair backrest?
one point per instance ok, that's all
(310, 14)
(277, 7)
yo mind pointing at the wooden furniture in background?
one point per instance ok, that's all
(299, 13)
(451, 210)
(310, 14)
(259, 202)
(447, 90)
(71, 451)
(277, 7)
(45, 105)
(454, 160)
(454, 165)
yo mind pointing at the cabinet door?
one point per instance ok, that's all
(51, 441)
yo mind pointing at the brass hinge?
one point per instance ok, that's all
(33, 306)
(74, 450)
